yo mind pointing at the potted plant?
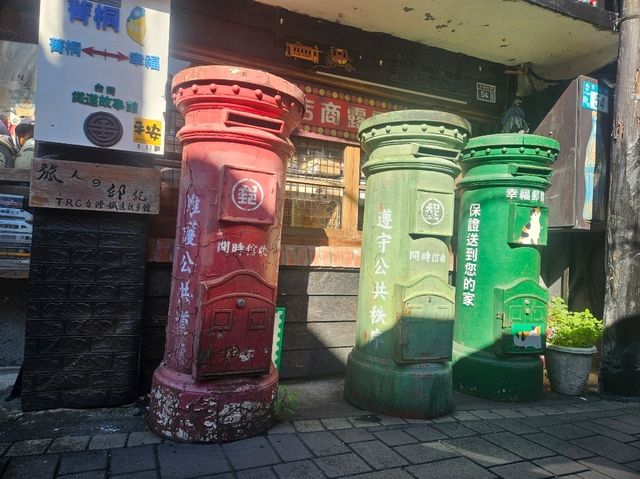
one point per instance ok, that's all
(571, 339)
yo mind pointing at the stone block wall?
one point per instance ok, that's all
(319, 331)
(84, 309)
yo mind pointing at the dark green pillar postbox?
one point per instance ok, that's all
(500, 326)
(401, 362)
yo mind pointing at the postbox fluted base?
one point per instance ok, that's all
(415, 391)
(220, 410)
(485, 375)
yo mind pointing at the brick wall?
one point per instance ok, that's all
(84, 309)
(154, 323)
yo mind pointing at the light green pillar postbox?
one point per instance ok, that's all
(501, 310)
(401, 362)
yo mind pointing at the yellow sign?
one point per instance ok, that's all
(303, 52)
(147, 132)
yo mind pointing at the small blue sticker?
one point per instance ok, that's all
(595, 98)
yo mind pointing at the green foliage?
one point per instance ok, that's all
(570, 328)
(285, 404)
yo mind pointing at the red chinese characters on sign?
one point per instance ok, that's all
(338, 114)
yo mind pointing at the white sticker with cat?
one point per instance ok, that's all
(530, 233)
(529, 339)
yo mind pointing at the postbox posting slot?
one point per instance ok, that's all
(241, 118)
(234, 326)
(424, 332)
(521, 314)
(529, 170)
(422, 150)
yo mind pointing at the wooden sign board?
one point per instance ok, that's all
(74, 185)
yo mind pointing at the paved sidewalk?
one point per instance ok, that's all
(585, 438)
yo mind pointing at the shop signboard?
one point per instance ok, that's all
(102, 72)
(76, 185)
(336, 114)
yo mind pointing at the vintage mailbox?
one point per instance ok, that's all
(401, 362)
(217, 381)
(501, 309)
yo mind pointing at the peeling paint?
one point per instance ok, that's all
(246, 355)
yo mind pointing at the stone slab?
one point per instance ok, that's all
(395, 437)
(454, 429)
(560, 465)
(457, 468)
(517, 426)
(606, 431)
(482, 451)
(357, 434)
(132, 459)
(73, 462)
(483, 427)
(32, 467)
(518, 445)
(310, 425)
(426, 452)
(290, 447)
(107, 441)
(609, 448)
(336, 423)
(609, 468)
(258, 473)
(342, 465)
(143, 438)
(425, 433)
(28, 447)
(521, 470)
(386, 474)
(558, 445)
(323, 443)
(185, 460)
(69, 444)
(250, 453)
(298, 470)
(379, 455)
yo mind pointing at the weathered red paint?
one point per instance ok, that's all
(217, 381)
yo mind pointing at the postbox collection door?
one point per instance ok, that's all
(425, 332)
(524, 325)
(521, 319)
(235, 327)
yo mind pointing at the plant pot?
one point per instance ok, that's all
(569, 368)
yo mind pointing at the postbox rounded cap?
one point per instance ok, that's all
(415, 117)
(234, 74)
(500, 140)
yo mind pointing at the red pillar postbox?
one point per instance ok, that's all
(217, 381)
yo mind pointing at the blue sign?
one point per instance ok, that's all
(595, 97)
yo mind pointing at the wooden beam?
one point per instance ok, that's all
(351, 188)
(15, 175)
(620, 368)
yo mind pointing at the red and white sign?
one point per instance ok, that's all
(338, 114)
(248, 196)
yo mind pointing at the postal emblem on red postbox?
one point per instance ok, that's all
(248, 196)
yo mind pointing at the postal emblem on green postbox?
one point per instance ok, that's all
(433, 213)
